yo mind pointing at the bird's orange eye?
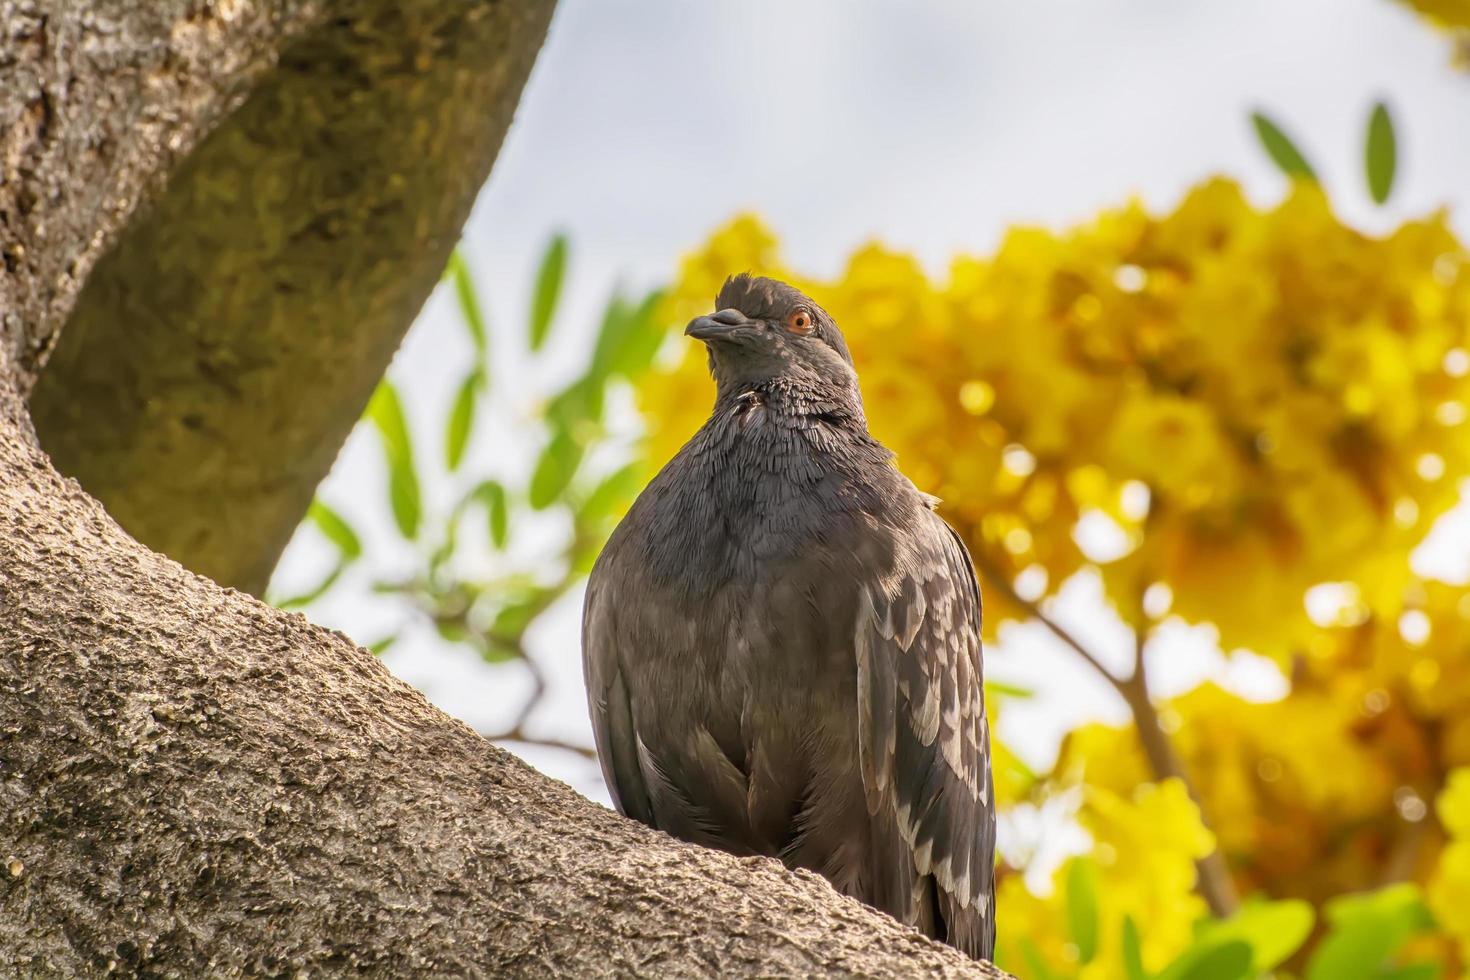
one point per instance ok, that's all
(799, 322)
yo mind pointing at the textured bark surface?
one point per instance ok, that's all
(223, 349)
(195, 784)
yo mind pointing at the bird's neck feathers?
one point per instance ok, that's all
(785, 420)
(794, 404)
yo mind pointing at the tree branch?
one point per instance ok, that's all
(516, 734)
(224, 348)
(1002, 583)
(97, 102)
(538, 691)
(1214, 882)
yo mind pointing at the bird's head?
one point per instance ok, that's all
(767, 333)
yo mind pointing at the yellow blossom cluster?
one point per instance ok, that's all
(1146, 843)
(1301, 791)
(1251, 401)
(1331, 789)
(1449, 892)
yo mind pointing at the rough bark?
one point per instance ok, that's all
(195, 784)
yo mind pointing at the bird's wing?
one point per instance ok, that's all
(610, 706)
(924, 739)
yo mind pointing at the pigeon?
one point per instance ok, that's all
(781, 638)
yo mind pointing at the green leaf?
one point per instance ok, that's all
(616, 320)
(1018, 773)
(513, 619)
(1413, 971)
(554, 470)
(1402, 903)
(498, 653)
(381, 646)
(440, 556)
(451, 630)
(584, 557)
(577, 407)
(1132, 950)
(1013, 691)
(1082, 907)
(629, 338)
(403, 496)
(469, 301)
(610, 497)
(1036, 968)
(548, 290)
(386, 412)
(335, 529)
(1281, 149)
(1366, 930)
(1380, 154)
(1206, 961)
(307, 598)
(461, 418)
(644, 338)
(612, 493)
(492, 495)
(1273, 930)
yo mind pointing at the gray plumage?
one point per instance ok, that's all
(782, 639)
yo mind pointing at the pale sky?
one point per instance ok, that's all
(930, 125)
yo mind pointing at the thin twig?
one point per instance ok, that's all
(1214, 881)
(516, 735)
(538, 690)
(996, 578)
(1404, 854)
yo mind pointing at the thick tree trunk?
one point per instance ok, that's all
(285, 257)
(195, 784)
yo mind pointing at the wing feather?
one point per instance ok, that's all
(923, 735)
(877, 702)
(618, 745)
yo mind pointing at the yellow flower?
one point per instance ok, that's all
(1454, 805)
(1146, 839)
(1172, 444)
(1291, 393)
(1449, 894)
(1145, 845)
(1449, 891)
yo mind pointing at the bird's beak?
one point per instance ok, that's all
(716, 326)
